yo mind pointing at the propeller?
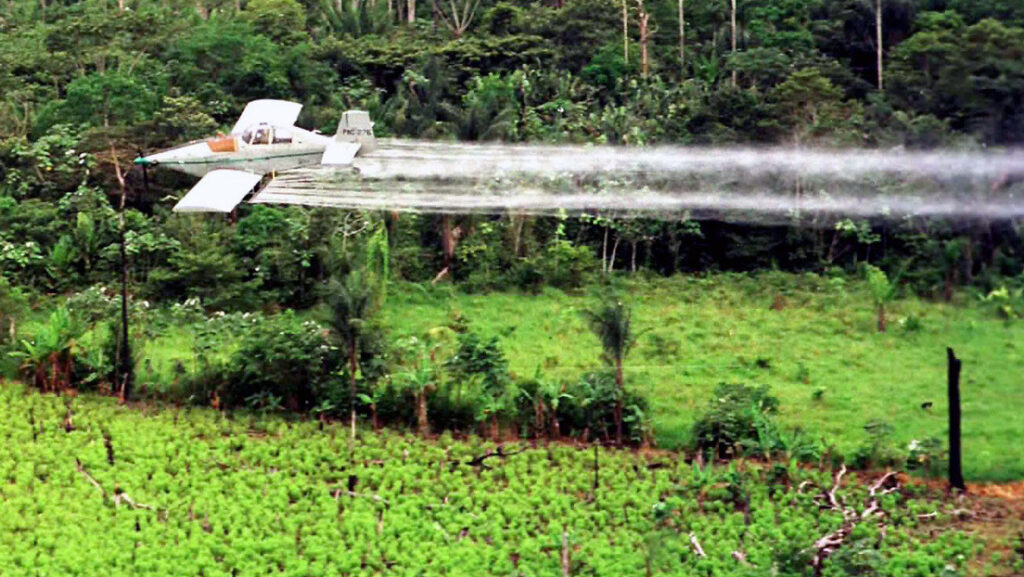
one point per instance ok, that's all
(143, 163)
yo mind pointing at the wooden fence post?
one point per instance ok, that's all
(956, 474)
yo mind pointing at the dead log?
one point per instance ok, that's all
(830, 543)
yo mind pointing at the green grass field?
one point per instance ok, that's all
(700, 331)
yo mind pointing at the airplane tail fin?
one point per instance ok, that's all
(356, 126)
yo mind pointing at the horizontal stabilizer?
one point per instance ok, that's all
(218, 191)
(340, 153)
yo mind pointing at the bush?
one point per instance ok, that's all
(566, 265)
(927, 456)
(282, 357)
(588, 411)
(878, 449)
(733, 417)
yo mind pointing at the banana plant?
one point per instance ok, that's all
(420, 381)
(50, 355)
(377, 394)
(552, 394)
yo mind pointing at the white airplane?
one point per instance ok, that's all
(265, 140)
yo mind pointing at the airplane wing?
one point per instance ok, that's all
(340, 152)
(218, 191)
(272, 112)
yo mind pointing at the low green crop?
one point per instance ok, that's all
(193, 492)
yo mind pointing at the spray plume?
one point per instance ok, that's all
(737, 184)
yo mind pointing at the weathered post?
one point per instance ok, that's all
(956, 474)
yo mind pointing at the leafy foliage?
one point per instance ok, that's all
(735, 419)
(282, 356)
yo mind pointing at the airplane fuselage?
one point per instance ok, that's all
(285, 149)
(264, 141)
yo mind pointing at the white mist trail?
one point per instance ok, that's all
(739, 184)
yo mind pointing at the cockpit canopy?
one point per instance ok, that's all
(263, 133)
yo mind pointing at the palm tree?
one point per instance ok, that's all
(611, 321)
(350, 304)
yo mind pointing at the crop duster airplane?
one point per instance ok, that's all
(265, 140)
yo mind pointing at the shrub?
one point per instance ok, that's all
(1007, 304)
(284, 357)
(566, 265)
(927, 456)
(733, 417)
(588, 411)
(480, 358)
(877, 450)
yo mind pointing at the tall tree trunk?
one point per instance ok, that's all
(878, 38)
(956, 475)
(618, 403)
(682, 38)
(422, 425)
(352, 386)
(411, 10)
(611, 259)
(625, 32)
(538, 417)
(643, 19)
(446, 241)
(604, 252)
(125, 357)
(734, 39)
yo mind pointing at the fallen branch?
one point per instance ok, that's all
(741, 557)
(338, 491)
(479, 460)
(119, 495)
(122, 496)
(836, 480)
(81, 469)
(565, 551)
(696, 545)
(829, 544)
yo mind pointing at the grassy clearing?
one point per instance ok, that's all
(701, 331)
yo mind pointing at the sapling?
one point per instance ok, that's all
(612, 322)
(883, 291)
